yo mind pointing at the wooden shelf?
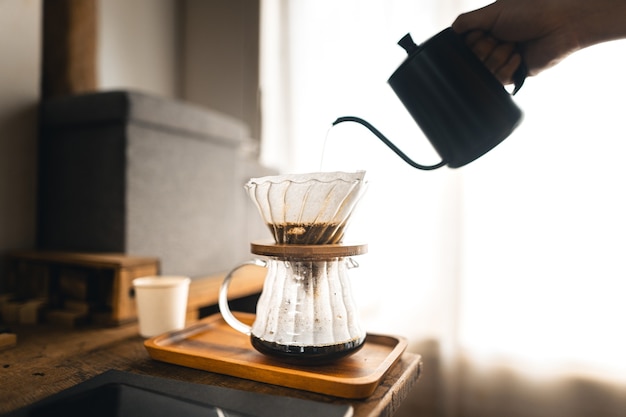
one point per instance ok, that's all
(75, 288)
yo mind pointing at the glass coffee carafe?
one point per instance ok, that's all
(306, 313)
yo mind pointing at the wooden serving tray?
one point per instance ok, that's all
(212, 345)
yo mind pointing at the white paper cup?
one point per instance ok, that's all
(161, 303)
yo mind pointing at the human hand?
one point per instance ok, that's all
(538, 32)
(501, 58)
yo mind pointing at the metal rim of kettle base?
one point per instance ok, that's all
(327, 251)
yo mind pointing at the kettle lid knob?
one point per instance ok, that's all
(407, 43)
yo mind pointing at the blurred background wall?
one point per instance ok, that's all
(201, 52)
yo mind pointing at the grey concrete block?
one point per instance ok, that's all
(132, 173)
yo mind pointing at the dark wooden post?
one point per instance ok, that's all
(69, 47)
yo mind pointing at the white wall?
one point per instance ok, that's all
(138, 46)
(202, 52)
(20, 46)
(221, 57)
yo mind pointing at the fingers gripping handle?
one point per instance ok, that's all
(223, 298)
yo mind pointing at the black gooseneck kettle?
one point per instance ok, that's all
(461, 107)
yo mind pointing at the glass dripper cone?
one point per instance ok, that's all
(307, 209)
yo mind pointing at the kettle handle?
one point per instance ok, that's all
(388, 143)
(519, 76)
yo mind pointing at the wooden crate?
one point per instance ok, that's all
(77, 287)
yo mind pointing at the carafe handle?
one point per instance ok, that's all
(223, 298)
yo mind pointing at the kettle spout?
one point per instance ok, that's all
(387, 142)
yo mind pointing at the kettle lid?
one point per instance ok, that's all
(408, 44)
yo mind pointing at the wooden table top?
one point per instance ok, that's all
(49, 359)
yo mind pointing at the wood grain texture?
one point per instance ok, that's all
(212, 345)
(48, 359)
(321, 252)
